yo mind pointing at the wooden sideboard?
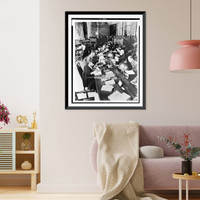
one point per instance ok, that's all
(12, 156)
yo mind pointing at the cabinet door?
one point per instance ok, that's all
(7, 151)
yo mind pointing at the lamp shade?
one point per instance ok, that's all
(186, 57)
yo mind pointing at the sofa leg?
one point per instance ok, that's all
(180, 189)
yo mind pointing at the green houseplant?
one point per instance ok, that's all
(26, 144)
(185, 150)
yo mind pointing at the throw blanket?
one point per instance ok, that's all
(118, 164)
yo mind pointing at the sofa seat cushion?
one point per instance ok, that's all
(151, 152)
(158, 173)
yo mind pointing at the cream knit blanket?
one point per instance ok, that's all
(118, 164)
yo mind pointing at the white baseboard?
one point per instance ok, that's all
(68, 188)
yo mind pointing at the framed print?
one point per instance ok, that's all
(105, 60)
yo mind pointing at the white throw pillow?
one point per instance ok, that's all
(151, 152)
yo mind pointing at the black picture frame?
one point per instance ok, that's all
(81, 99)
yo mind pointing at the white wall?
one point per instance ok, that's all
(19, 59)
(172, 98)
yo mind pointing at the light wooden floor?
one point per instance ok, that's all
(24, 193)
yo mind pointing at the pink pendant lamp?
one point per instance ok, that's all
(188, 56)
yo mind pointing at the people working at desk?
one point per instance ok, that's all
(88, 77)
(109, 55)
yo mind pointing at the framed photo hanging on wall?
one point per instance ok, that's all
(105, 60)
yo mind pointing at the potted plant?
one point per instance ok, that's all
(4, 114)
(185, 150)
(26, 144)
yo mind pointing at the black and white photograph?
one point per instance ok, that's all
(105, 60)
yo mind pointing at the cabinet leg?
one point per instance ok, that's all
(33, 181)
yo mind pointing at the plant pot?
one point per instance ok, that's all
(187, 167)
(26, 145)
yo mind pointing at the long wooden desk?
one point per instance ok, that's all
(126, 86)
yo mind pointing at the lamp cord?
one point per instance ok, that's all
(190, 19)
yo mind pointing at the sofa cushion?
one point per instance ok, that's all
(151, 152)
(158, 173)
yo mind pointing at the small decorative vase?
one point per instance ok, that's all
(26, 165)
(26, 145)
(187, 167)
